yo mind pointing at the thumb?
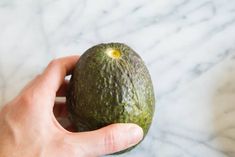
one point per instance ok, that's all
(107, 140)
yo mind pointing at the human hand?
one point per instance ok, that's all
(28, 126)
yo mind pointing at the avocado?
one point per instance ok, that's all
(110, 84)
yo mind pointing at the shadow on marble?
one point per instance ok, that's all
(223, 139)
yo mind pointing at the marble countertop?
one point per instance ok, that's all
(188, 46)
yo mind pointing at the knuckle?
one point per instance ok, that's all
(38, 76)
(53, 62)
(71, 148)
(26, 104)
(25, 98)
(25, 101)
(110, 141)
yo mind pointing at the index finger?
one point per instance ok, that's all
(54, 74)
(42, 90)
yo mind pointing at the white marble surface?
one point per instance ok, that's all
(188, 46)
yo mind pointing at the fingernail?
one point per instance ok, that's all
(136, 135)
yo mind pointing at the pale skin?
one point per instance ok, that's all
(28, 125)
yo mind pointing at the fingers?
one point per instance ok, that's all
(48, 83)
(56, 71)
(63, 89)
(108, 140)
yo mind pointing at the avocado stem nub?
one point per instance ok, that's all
(113, 53)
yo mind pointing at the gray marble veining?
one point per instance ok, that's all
(188, 46)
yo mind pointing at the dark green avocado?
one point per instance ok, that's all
(110, 84)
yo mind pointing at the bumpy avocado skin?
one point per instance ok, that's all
(104, 90)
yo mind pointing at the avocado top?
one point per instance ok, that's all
(110, 84)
